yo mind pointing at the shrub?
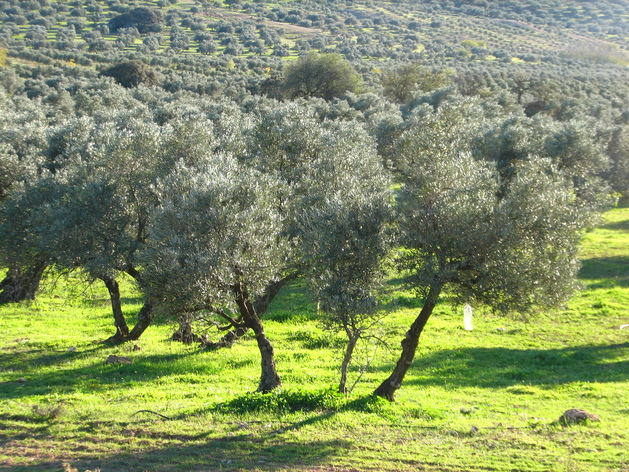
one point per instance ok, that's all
(284, 401)
(146, 20)
(131, 74)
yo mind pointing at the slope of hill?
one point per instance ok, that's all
(587, 38)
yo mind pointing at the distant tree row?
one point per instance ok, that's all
(403, 31)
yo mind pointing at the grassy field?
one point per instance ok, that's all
(510, 379)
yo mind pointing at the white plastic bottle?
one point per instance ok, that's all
(467, 318)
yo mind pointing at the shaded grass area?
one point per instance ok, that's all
(612, 268)
(510, 378)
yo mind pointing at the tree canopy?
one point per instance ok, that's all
(144, 19)
(325, 75)
(131, 74)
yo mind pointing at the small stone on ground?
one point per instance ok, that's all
(576, 416)
(118, 360)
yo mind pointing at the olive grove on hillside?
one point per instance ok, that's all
(212, 206)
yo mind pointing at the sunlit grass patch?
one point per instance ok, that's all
(488, 399)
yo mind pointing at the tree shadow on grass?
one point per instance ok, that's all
(100, 376)
(226, 453)
(35, 358)
(502, 367)
(617, 225)
(614, 269)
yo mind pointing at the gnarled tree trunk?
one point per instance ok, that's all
(388, 388)
(21, 283)
(145, 317)
(260, 305)
(146, 314)
(269, 378)
(185, 334)
(349, 351)
(122, 330)
(228, 340)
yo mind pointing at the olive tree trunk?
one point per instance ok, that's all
(260, 305)
(269, 378)
(228, 340)
(347, 358)
(145, 317)
(146, 314)
(388, 388)
(122, 330)
(21, 283)
(185, 332)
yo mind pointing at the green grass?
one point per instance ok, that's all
(511, 378)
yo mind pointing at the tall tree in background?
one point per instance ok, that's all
(400, 83)
(323, 75)
(146, 20)
(131, 74)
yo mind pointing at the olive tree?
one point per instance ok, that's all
(324, 75)
(23, 131)
(216, 245)
(308, 159)
(505, 239)
(576, 147)
(337, 203)
(344, 241)
(510, 248)
(95, 212)
(399, 84)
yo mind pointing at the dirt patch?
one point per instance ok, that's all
(290, 28)
(286, 27)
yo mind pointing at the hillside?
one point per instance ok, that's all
(213, 40)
